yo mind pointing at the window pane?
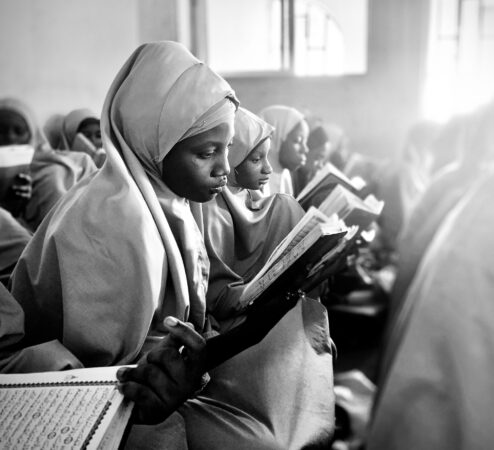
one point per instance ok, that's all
(330, 37)
(244, 36)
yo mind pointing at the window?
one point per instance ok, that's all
(300, 37)
(461, 57)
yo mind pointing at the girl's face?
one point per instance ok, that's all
(253, 172)
(13, 129)
(90, 128)
(294, 149)
(196, 168)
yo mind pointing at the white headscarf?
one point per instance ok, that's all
(250, 131)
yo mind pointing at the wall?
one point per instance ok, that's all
(375, 109)
(58, 55)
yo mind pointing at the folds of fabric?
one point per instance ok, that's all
(275, 395)
(239, 241)
(14, 356)
(110, 261)
(53, 173)
(13, 238)
(436, 394)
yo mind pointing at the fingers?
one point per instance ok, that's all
(182, 334)
(25, 177)
(149, 408)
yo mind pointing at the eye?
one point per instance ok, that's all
(255, 160)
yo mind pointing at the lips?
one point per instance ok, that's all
(263, 180)
(218, 188)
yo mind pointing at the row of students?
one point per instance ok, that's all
(435, 373)
(133, 243)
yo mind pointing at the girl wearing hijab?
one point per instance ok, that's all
(53, 173)
(122, 250)
(80, 131)
(288, 146)
(249, 394)
(241, 227)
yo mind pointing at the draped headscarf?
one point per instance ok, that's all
(284, 119)
(72, 122)
(250, 131)
(53, 172)
(241, 228)
(122, 249)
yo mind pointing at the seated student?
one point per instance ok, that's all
(403, 180)
(241, 227)
(53, 173)
(444, 193)
(122, 251)
(319, 152)
(288, 146)
(436, 392)
(81, 132)
(249, 394)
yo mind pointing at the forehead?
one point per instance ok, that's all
(13, 118)
(300, 128)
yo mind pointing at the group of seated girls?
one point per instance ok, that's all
(144, 261)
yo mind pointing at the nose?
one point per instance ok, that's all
(266, 168)
(305, 149)
(221, 167)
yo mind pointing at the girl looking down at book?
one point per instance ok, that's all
(53, 173)
(249, 400)
(122, 250)
(241, 227)
(288, 146)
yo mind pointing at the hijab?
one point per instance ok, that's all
(284, 119)
(122, 250)
(72, 122)
(250, 131)
(241, 228)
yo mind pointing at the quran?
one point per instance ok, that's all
(309, 241)
(350, 208)
(73, 409)
(324, 181)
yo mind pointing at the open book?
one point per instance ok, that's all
(14, 159)
(74, 409)
(324, 181)
(309, 241)
(350, 208)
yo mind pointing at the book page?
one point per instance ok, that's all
(327, 169)
(63, 410)
(14, 159)
(310, 219)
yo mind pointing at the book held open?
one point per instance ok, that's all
(313, 237)
(324, 181)
(74, 409)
